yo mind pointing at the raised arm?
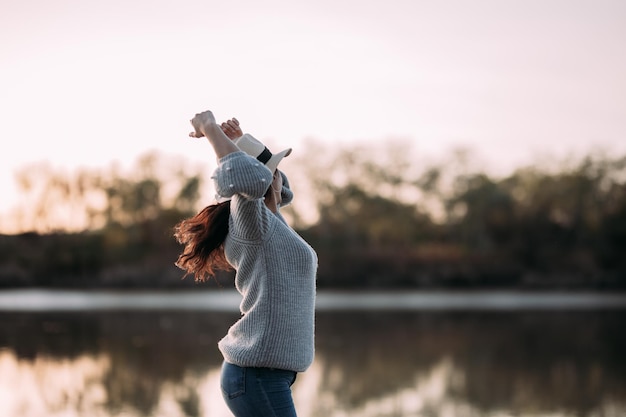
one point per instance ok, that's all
(204, 124)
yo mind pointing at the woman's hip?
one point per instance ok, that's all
(251, 391)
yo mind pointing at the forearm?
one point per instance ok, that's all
(222, 145)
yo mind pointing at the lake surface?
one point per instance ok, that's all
(393, 354)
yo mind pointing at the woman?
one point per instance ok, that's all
(275, 271)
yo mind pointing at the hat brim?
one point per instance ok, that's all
(273, 162)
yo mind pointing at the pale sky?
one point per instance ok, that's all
(85, 82)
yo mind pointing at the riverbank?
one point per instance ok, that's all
(227, 300)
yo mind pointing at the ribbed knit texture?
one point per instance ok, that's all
(275, 273)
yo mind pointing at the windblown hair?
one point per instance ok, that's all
(203, 237)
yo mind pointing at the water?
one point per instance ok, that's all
(496, 354)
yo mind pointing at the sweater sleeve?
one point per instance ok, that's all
(286, 194)
(239, 173)
(245, 180)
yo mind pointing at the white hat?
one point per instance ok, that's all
(256, 148)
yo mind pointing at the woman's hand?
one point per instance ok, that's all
(204, 125)
(231, 129)
(201, 123)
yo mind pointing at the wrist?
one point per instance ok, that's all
(209, 129)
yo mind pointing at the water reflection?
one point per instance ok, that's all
(141, 364)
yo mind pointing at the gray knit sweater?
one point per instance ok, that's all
(275, 273)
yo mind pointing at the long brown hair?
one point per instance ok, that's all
(203, 236)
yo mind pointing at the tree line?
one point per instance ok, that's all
(378, 215)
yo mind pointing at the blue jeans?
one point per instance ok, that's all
(263, 392)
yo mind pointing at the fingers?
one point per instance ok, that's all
(231, 128)
(197, 133)
(232, 123)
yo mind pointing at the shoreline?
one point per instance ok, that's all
(227, 300)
